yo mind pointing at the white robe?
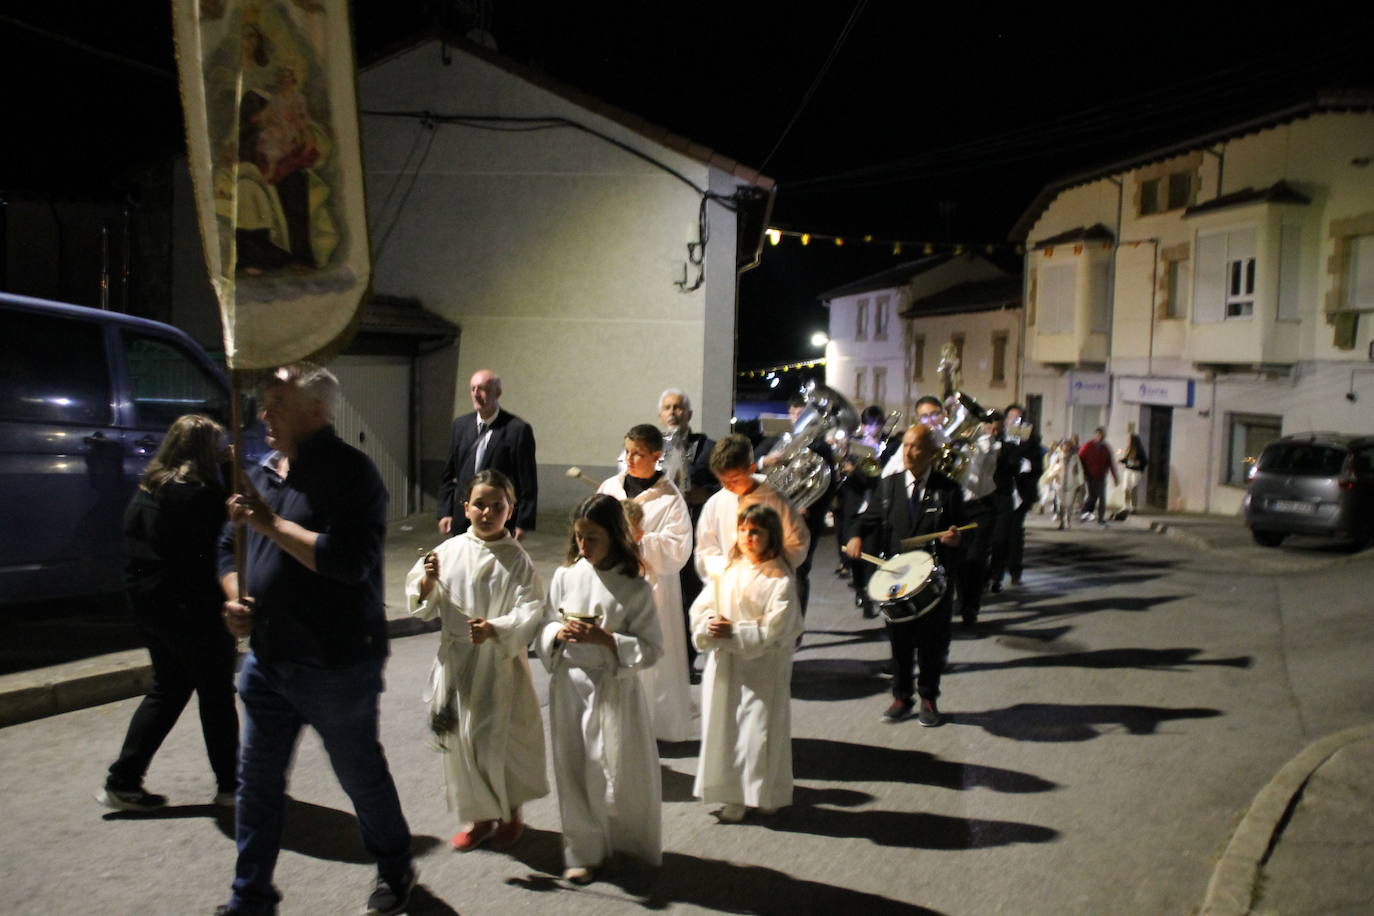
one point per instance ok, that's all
(604, 757)
(666, 548)
(494, 757)
(746, 693)
(719, 520)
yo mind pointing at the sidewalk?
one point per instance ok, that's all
(1303, 846)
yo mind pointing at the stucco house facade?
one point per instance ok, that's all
(1213, 296)
(886, 332)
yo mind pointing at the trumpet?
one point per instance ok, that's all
(577, 473)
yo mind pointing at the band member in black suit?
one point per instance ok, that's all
(697, 483)
(1026, 457)
(489, 437)
(815, 513)
(917, 501)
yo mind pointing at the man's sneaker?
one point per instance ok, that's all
(899, 710)
(130, 799)
(389, 898)
(232, 909)
(929, 716)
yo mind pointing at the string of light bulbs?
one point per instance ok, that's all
(898, 246)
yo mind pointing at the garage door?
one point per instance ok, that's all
(374, 416)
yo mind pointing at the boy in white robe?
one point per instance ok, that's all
(732, 461)
(747, 620)
(665, 544)
(483, 708)
(601, 630)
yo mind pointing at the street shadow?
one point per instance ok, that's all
(1053, 722)
(908, 829)
(842, 761)
(539, 850)
(424, 903)
(839, 798)
(311, 830)
(1142, 659)
(835, 679)
(677, 787)
(871, 632)
(1130, 603)
(713, 884)
(675, 750)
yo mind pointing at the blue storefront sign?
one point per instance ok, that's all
(1092, 389)
(1166, 392)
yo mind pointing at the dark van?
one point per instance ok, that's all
(85, 398)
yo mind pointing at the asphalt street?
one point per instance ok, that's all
(1108, 724)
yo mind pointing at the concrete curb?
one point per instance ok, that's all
(1232, 888)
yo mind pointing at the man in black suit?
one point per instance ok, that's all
(489, 437)
(917, 501)
(697, 482)
(1026, 457)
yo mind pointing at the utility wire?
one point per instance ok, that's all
(527, 124)
(815, 84)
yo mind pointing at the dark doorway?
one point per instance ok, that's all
(1034, 403)
(1158, 435)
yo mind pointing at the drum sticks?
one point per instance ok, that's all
(920, 539)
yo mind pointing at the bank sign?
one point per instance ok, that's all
(1090, 388)
(1168, 392)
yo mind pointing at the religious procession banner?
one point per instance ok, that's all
(267, 87)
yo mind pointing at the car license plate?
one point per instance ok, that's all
(1294, 506)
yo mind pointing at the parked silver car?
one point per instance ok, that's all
(1313, 483)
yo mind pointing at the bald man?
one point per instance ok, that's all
(919, 500)
(489, 437)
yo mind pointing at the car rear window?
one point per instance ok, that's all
(1303, 459)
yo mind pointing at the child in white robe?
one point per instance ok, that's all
(600, 630)
(748, 620)
(664, 537)
(483, 708)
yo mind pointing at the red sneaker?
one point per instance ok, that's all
(474, 836)
(508, 833)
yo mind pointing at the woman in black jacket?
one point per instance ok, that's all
(170, 531)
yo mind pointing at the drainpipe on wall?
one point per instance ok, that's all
(1211, 448)
(1111, 295)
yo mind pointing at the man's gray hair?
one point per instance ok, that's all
(315, 381)
(686, 401)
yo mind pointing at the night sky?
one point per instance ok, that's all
(934, 122)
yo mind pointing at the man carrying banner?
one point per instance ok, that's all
(315, 514)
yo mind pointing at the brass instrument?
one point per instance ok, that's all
(794, 470)
(865, 457)
(964, 416)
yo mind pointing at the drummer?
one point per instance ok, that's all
(918, 501)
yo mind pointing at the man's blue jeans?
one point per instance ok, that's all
(340, 704)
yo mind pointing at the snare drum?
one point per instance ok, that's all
(907, 586)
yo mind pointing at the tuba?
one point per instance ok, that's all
(964, 415)
(797, 472)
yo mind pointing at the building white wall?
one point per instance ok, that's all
(554, 251)
(846, 354)
(1283, 367)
